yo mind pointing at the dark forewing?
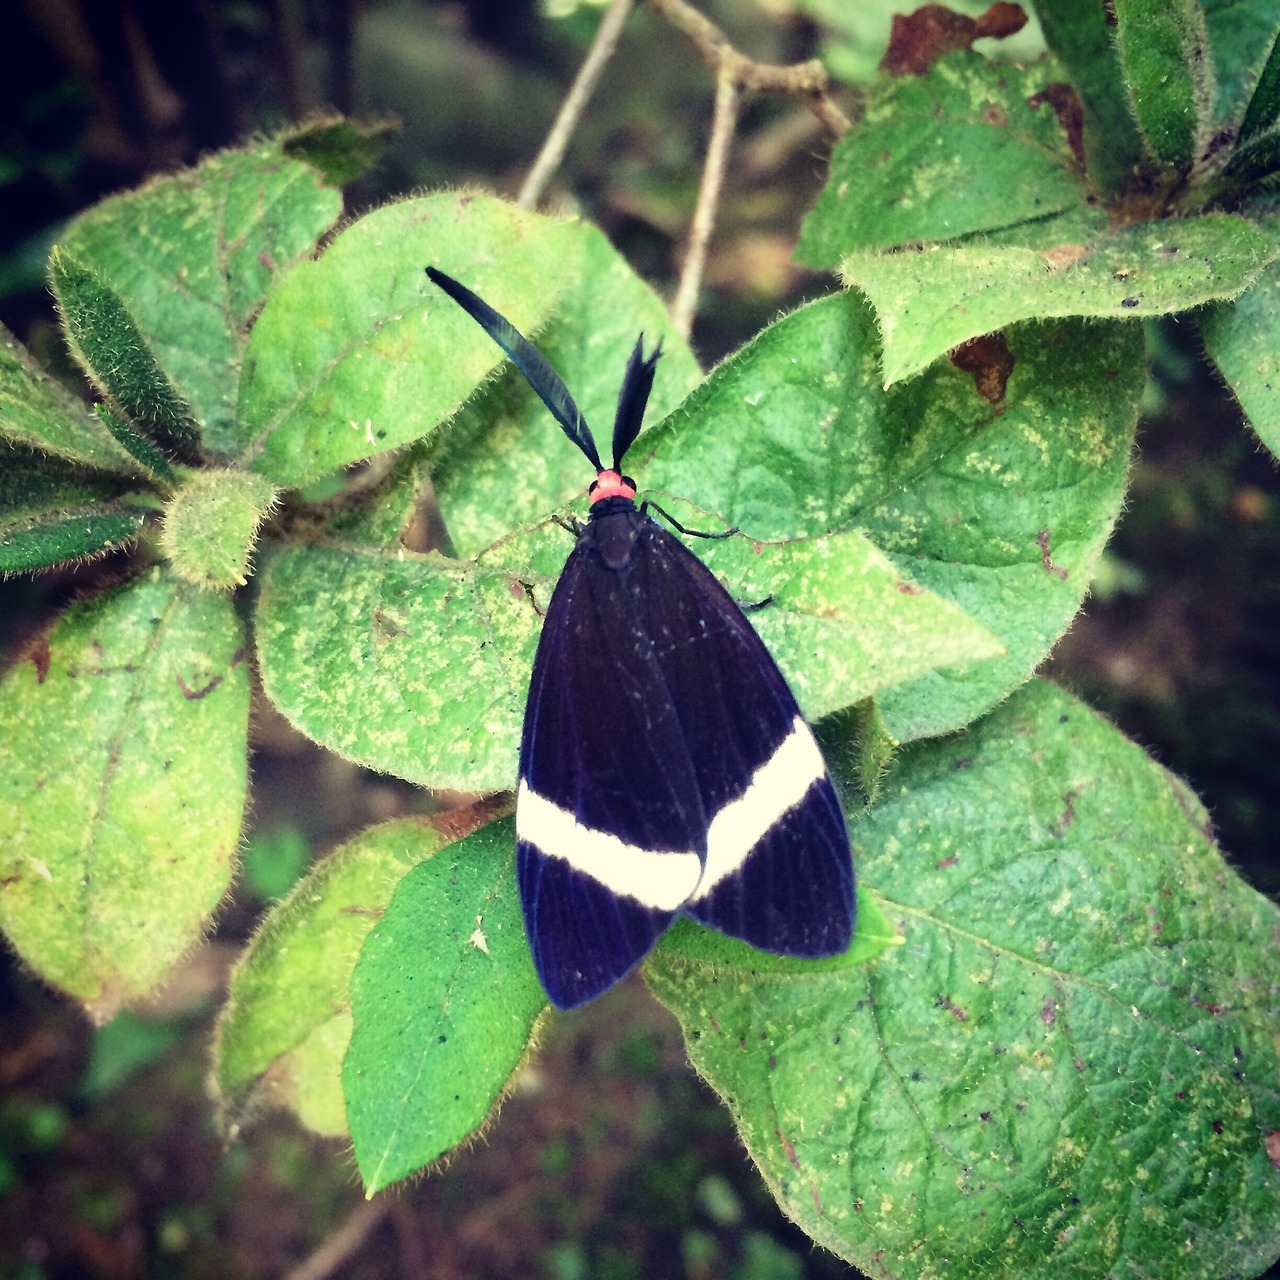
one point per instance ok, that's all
(779, 874)
(666, 766)
(609, 822)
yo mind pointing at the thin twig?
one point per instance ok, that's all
(342, 1243)
(553, 149)
(807, 81)
(704, 214)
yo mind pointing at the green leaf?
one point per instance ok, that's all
(192, 256)
(1264, 105)
(343, 150)
(39, 412)
(444, 1001)
(52, 512)
(419, 666)
(1002, 508)
(504, 460)
(972, 146)
(1080, 34)
(211, 523)
(139, 448)
(1163, 48)
(357, 353)
(1069, 1066)
(282, 1033)
(413, 665)
(123, 1047)
(125, 733)
(933, 300)
(107, 343)
(274, 860)
(1242, 41)
(1243, 340)
(843, 620)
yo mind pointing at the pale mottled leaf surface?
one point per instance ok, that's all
(124, 733)
(971, 146)
(1002, 508)
(930, 301)
(193, 254)
(357, 352)
(1068, 1068)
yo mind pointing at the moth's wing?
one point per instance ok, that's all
(610, 829)
(779, 871)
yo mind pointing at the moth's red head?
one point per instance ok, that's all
(609, 484)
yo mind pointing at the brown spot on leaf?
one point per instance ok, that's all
(1068, 815)
(467, 818)
(917, 40)
(386, 627)
(1216, 1009)
(907, 588)
(989, 361)
(943, 863)
(39, 654)
(194, 695)
(1062, 256)
(1046, 558)
(788, 1149)
(1001, 21)
(1066, 105)
(959, 1013)
(1049, 1012)
(1272, 1143)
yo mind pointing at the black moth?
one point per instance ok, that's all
(665, 767)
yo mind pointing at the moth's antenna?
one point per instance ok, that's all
(637, 383)
(530, 361)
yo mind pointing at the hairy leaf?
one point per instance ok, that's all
(1068, 1068)
(357, 353)
(931, 301)
(995, 486)
(193, 254)
(121, 801)
(444, 1001)
(972, 146)
(287, 1021)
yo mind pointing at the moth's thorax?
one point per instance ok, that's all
(613, 529)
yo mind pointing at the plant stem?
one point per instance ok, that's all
(553, 149)
(704, 214)
(807, 81)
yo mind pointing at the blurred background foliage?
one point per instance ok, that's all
(610, 1160)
